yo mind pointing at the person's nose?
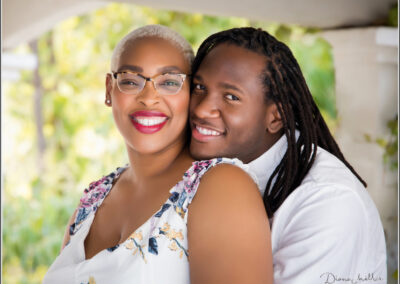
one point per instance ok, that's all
(205, 106)
(149, 95)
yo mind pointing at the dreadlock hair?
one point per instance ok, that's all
(285, 85)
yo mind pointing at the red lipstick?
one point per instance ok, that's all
(148, 122)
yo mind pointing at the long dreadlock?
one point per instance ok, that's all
(285, 85)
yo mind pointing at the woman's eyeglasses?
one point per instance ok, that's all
(133, 83)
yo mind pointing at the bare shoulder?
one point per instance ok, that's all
(228, 230)
(227, 185)
(227, 189)
(228, 178)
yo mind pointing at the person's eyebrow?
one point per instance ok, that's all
(197, 77)
(132, 68)
(169, 69)
(230, 87)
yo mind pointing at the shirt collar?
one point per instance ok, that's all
(264, 166)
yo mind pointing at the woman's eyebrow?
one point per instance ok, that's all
(168, 69)
(132, 68)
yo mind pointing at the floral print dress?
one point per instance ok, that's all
(157, 252)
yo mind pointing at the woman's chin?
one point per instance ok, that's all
(156, 146)
(147, 149)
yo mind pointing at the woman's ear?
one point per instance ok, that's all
(108, 90)
(273, 122)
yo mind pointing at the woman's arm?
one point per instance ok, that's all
(228, 230)
(66, 233)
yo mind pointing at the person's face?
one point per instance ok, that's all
(229, 116)
(148, 121)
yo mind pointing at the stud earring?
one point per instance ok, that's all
(108, 101)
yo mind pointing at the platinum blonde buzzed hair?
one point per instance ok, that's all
(158, 31)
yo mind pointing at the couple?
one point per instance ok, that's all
(187, 208)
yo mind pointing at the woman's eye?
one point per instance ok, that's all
(128, 82)
(170, 83)
(231, 97)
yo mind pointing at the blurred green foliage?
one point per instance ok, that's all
(81, 140)
(390, 143)
(393, 17)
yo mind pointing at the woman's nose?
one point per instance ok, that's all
(149, 95)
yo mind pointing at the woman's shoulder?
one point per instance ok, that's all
(214, 173)
(227, 218)
(222, 167)
(229, 178)
(217, 166)
(219, 176)
(227, 190)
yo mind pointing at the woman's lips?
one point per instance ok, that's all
(204, 134)
(148, 122)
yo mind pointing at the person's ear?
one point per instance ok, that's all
(273, 122)
(108, 90)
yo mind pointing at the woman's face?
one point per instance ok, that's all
(228, 112)
(148, 121)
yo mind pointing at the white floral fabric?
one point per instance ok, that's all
(157, 252)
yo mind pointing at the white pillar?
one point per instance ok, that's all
(366, 74)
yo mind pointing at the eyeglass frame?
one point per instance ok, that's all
(182, 75)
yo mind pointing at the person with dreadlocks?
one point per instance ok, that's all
(250, 100)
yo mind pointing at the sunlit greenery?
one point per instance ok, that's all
(390, 144)
(41, 190)
(393, 17)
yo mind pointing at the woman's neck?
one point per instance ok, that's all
(146, 168)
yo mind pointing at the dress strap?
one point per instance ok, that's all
(93, 196)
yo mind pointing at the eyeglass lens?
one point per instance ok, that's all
(165, 84)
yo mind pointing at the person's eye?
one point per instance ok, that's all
(198, 88)
(170, 83)
(231, 97)
(129, 82)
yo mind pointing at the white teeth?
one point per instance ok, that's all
(150, 121)
(206, 131)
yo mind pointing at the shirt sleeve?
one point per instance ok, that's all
(323, 238)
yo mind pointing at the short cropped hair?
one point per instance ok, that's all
(158, 31)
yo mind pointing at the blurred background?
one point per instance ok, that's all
(58, 136)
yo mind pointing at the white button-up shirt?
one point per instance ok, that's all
(328, 229)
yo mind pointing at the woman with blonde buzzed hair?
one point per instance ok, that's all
(134, 225)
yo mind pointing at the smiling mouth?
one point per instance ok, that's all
(206, 131)
(204, 134)
(149, 121)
